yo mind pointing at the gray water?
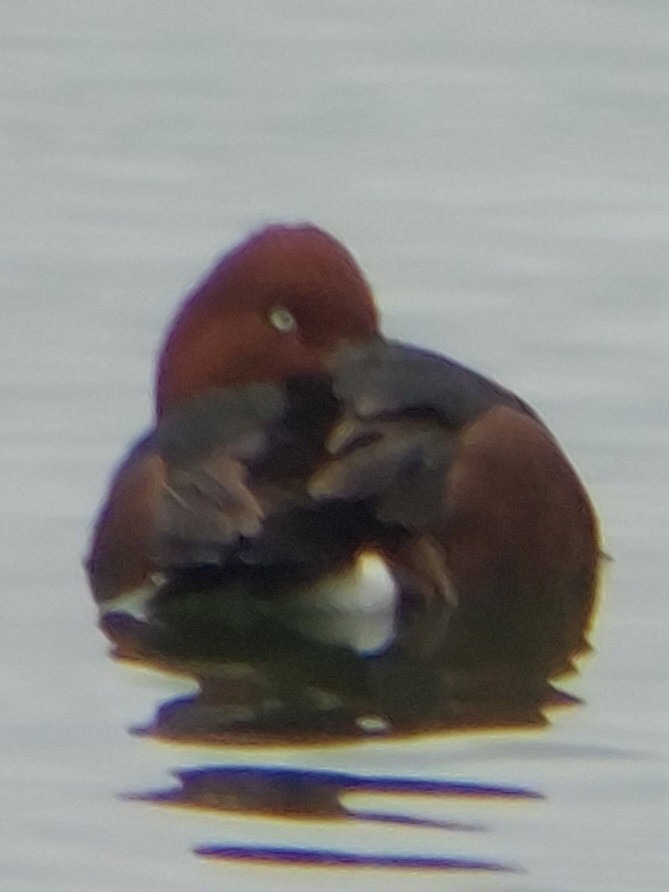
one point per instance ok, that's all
(501, 172)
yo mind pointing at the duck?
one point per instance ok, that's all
(343, 512)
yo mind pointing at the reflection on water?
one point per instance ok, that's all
(323, 858)
(320, 695)
(302, 793)
(290, 793)
(211, 716)
(308, 693)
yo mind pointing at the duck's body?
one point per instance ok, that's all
(313, 488)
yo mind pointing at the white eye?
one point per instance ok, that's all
(282, 319)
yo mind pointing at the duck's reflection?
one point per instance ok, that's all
(303, 793)
(318, 795)
(275, 686)
(213, 716)
(308, 694)
(333, 858)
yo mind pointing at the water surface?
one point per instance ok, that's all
(500, 172)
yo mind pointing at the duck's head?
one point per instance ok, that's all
(277, 305)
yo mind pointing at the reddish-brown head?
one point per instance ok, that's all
(277, 305)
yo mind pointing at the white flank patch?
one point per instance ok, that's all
(355, 609)
(132, 603)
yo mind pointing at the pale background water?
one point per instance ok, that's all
(501, 171)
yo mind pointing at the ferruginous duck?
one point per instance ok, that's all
(313, 492)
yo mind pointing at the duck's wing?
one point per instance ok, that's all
(237, 466)
(388, 379)
(206, 504)
(181, 488)
(397, 465)
(397, 437)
